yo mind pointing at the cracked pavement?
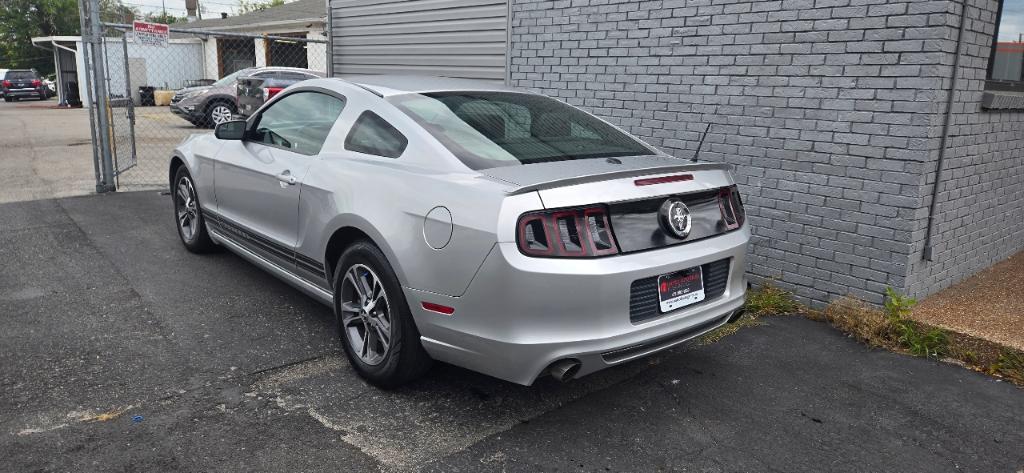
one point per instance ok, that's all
(121, 351)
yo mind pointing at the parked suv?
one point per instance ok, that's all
(19, 83)
(253, 91)
(214, 104)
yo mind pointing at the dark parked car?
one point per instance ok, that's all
(21, 83)
(215, 104)
(254, 90)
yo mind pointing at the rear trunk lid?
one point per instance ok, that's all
(634, 190)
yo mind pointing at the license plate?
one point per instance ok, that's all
(680, 289)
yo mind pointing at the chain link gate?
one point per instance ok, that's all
(145, 99)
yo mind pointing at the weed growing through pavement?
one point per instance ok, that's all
(919, 341)
(1009, 365)
(890, 328)
(763, 301)
(770, 300)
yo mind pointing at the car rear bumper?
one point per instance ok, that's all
(23, 92)
(521, 314)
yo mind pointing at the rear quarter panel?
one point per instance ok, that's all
(390, 202)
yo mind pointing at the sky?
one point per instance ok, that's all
(213, 8)
(1012, 24)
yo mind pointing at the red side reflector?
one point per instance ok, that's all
(663, 180)
(440, 309)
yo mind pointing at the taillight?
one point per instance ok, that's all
(270, 92)
(37, 83)
(567, 233)
(7, 83)
(732, 207)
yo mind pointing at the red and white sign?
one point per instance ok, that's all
(153, 34)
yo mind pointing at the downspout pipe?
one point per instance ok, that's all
(927, 254)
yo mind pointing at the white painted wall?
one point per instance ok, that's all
(165, 68)
(210, 67)
(261, 52)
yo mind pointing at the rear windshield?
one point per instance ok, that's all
(20, 75)
(493, 129)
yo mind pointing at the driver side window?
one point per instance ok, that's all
(299, 122)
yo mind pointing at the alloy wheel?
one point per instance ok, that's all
(220, 114)
(365, 314)
(187, 208)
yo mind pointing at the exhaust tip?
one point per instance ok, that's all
(564, 370)
(736, 315)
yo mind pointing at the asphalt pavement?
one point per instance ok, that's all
(120, 351)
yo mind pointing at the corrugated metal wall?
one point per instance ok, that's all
(455, 38)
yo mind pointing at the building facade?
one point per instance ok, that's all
(871, 149)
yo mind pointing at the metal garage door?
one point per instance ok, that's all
(455, 38)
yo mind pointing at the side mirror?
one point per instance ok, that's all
(230, 130)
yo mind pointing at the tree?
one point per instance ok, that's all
(249, 6)
(165, 18)
(22, 20)
(114, 11)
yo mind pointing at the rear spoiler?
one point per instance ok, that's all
(607, 176)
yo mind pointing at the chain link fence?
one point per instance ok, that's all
(147, 96)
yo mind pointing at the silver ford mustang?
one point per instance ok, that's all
(483, 226)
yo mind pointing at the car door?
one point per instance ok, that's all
(258, 180)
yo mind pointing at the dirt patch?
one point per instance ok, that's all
(988, 305)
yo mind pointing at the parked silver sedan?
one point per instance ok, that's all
(478, 225)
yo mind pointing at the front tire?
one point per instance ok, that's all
(375, 325)
(217, 113)
(188, 214)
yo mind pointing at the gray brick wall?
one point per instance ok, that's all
(829, 109)
(980, 218)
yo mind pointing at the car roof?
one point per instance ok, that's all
(281, 68)
(388, 85)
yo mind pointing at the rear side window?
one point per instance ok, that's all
(371, 134)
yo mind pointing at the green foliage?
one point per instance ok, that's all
(1010, 365)
(898, 306)
(249, 6)
(932, 343)
(770, 300)
(22, 20)
(114, 11)
(165, 18)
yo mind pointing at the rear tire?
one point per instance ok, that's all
(8, 99)
(376, 316)
(188, 214)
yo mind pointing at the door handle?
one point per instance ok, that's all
(286, 178)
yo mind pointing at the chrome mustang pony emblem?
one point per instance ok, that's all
(675, 218)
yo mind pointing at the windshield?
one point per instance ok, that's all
(230, 78)
(492, 129)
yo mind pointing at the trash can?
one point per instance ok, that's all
(163, 97)
(71, 94)
(147, 96)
